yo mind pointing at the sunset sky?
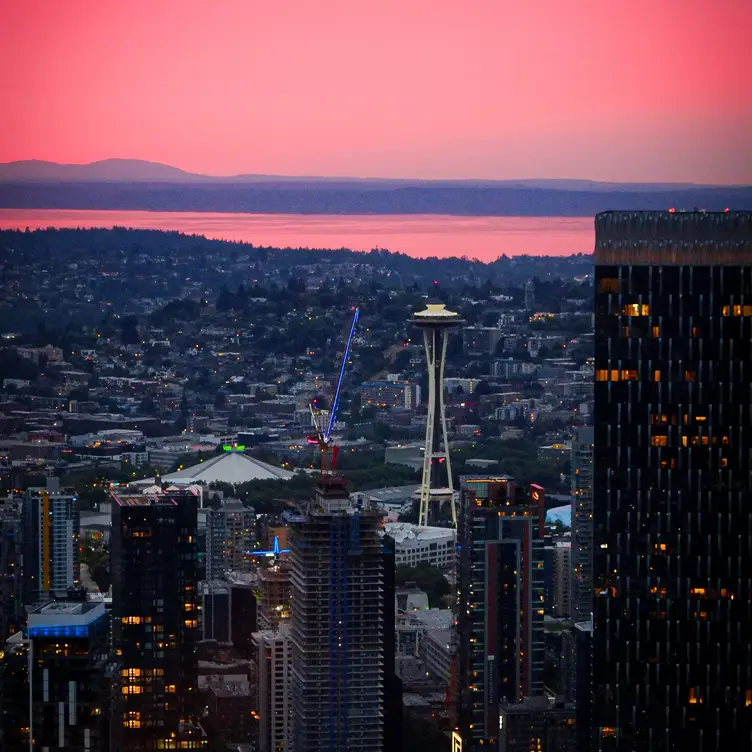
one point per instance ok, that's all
(625, 90)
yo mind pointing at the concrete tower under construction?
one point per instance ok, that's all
(436, 486)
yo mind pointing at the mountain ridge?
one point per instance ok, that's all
(121, 170)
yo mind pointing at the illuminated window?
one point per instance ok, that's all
(690, 375)
(601, 374)
(608, 731)
(132, 620)
(726, 310)
(635, 309)
(170, 688)
(656, 331)
(724, 462)
(697, 591)
(659, 419)
(189, 606)
(656, 375)
(659, 441)
(695, 331)
(191, 623)
(748, 698)
(747, 310)
(629, 374)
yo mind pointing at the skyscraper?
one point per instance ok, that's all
(50, 542)
(582, 523)
(68, 690)
(500, 611)
(10, 570)
(337, 562)
(672, 658)
(155, 574)
(437, 484)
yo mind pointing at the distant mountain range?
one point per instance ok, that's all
(130, 184)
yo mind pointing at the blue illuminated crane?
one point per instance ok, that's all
(324, 427)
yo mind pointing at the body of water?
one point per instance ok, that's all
(483, 238)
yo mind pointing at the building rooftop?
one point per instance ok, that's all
(407, 531)
(229, 467)
(65, 614)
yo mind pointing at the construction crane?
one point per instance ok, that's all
(323, 423)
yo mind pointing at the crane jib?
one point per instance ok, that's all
(345, 357)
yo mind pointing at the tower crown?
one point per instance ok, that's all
(436, 314)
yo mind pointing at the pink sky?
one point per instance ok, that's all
(621, 90)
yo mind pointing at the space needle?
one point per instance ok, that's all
(436, 486)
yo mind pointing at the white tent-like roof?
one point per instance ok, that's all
(230, 467)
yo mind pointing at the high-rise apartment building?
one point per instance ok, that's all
(561, 579)
(337, 562)
(672, 657)
(50, 542)
(582, 522)
(68, 690)
(273, 659)
(11, 576)
(230, 536)
(501, 594)
(155, 619)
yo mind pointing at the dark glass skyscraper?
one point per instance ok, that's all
(672, 655)
(500, 613)
(155, 573)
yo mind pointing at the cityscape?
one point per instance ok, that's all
(375, 377)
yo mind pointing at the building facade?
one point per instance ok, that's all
(50, 542)
(274, 688)
(11, 575)
(68, 690)
(403, 394)
(582, 522)
(337, 639)
(500, 609)
(230, 537)
(155, 619)
(672, 658)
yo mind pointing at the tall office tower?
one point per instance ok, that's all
(69, 690)
(273, 659)
(337, 624)
(500, 610)
(436, 486)
(155, 573)
(582, 522)
(230, 534)
(672, 657)
(50, 542)
(530, 296)
(10, 570)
